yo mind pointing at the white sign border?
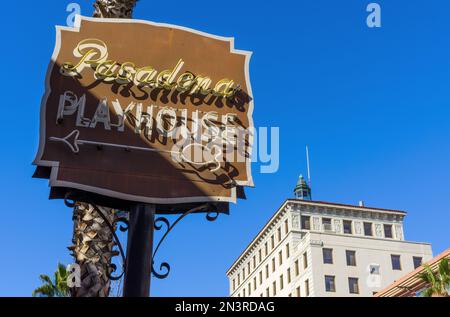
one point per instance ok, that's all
(54, 182)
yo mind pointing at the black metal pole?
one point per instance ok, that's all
(138, 266)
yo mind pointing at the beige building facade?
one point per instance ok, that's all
(313, 248)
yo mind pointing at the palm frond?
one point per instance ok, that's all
(428, 276)
(444, 267)
(53, 288)
(44, 291)
(438, 281)
(46, 279)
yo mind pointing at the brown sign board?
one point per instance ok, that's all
(145, 112)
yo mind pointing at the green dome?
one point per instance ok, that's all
(302, 189)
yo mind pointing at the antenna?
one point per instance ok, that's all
(307, 165)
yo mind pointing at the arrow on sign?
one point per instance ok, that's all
(73, 142)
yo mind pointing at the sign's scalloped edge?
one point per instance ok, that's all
(54, 182)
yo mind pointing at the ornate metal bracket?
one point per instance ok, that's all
(211, 215)
(164, 268)
(123, 221)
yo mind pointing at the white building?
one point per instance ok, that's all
(313, 248)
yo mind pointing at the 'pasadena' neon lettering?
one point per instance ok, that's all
(93, 53)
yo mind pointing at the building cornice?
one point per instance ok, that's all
(344, 206)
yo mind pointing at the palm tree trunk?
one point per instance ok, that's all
(92, 249)
(92, 239)
(122, 9)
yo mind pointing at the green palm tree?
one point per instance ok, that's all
(57, 287)
(438, 282)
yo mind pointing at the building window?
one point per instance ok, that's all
(266, 249)
(297, 268)
(243, 292)
(374, 269)
(254, 261)
(239, 279)
(396, 265)
(243, 274)
(254, 283)
(368, 229)
(280, 257)
(388, 231)
(305, 260)
(307, 288)
(326, 224)
(260, 255)
(274, 288)
(272, 242)
(249, 289)
(248, 268)
(351, 257)
(234, 285)
(267, 292)
(347, 226)
(281, 282)
(329, 283)
(279, 234)
(353, 285)
(306, 222)
(267, 270)
(297, 291)
(273, 265)
(287, 251)
(417, 260)
(288, 275)
(286, 226)
(260, 277)
(327, 256)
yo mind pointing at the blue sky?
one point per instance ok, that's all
(373, 104)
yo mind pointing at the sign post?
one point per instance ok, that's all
(138, 266)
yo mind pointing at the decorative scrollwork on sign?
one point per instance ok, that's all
(69, 201)
(164, 268)
(124, 223)
(212, 215)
